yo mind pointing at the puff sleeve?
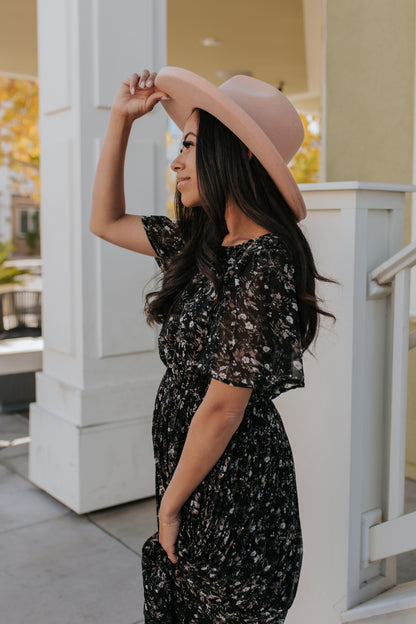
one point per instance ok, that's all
(255, 339)
(164, 236)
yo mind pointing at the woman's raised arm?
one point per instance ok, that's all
(136, 96)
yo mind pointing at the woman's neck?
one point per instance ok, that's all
(240, 227)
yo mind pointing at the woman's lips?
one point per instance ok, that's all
(180, 182)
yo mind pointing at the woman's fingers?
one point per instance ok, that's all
(171, 553)
(133, 82)
(144, 75)
(138, 95)
(155, 97)
(168, 536)
(151, 79)
(144, 80)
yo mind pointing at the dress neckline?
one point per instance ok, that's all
(250, 240)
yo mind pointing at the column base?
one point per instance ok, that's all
(92, 467)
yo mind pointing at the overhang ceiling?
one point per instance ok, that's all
(18, 38)
(264, 38)
(279, 41)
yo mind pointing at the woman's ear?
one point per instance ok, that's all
(250, 154)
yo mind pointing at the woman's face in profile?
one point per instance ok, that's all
(184, 164)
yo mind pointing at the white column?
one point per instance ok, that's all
(338, 423)
(91, 425)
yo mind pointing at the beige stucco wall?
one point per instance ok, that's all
(369, 104)
(369, 90)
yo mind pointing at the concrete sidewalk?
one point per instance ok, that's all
(60, 568)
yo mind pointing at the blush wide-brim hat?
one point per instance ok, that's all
(255, 111)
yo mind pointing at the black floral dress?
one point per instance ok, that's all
(239, 545)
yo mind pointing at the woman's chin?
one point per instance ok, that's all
(190, 204)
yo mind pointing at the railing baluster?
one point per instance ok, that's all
(398, 409)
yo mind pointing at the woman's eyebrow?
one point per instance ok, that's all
(187, 134)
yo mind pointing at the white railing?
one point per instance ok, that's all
(397, 533)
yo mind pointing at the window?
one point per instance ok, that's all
(28, 220)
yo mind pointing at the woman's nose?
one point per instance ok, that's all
(176, 164)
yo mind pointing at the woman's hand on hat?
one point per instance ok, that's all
(137, 95)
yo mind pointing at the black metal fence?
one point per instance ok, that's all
(20, 313)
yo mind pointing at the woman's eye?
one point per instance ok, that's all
(185, 144)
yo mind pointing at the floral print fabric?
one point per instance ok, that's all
(239, 545)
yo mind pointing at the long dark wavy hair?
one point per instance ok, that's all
(225, 171)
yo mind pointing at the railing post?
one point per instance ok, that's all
(398, 410)
(338, 424)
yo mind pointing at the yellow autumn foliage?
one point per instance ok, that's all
(306, 163)
(19, 134)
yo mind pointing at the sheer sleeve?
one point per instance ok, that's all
(255, 341)
(164, 237)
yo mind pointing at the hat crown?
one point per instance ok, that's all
(270, 110)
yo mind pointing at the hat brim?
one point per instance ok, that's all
(188, 91)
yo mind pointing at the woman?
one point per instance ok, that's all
(237, 308)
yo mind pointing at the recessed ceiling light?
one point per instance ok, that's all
(223, 73)
(210, 42)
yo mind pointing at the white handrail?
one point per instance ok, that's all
(403, 259)
(398, 532)
(392, 537)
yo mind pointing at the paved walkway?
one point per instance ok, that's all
(60, 568)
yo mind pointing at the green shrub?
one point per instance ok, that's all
(9, 274)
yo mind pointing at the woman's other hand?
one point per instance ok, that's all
(168, 535)
(137, 95)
